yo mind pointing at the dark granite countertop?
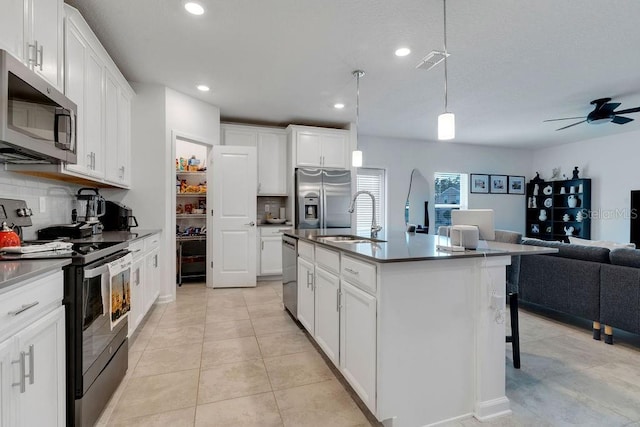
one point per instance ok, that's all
(117, 236)
(401, 247)
(14, 272)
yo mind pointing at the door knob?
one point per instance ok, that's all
(251, 224)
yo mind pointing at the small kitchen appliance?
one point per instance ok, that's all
(118, 217)
(90, 206)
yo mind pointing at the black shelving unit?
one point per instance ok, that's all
(566, 204)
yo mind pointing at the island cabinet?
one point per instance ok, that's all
(327, 303)
(32, 353)
(306, 297)
(398, 329)
(339, 314)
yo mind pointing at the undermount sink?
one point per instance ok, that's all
(347, 239)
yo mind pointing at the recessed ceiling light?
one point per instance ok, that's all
(194, 8)
(403, 51)
(339, 106)
(203, 88)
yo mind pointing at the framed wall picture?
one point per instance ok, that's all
(479, 183)
(516, 184)
(498, 184)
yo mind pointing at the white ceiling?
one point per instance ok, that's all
(513, 64)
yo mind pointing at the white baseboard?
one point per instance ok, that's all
(490, 409)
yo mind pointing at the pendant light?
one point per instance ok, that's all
(446, 120)
(356, 156)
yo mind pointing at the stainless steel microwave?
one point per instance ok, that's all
(37, 122)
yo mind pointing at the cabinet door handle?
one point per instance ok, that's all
(309, 279)
(31, 364)
(21, 383)
(35, 53)
(41, 52)
(262, 243)
(259, 186)
(89, 161)
(348, 270)
(338, 300)
(121, 169)
(24, 308)
(155, 260)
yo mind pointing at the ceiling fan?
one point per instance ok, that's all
(602, 113)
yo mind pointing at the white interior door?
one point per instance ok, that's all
(234, 216)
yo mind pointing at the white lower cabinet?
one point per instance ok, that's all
(41, 347)
(344, 314)
(306, 299)
(327, 313)
(358, 342)
(137, 294)
(145, 278)
(152, 279)
(32, 354)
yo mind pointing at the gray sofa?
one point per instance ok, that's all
(585, 281)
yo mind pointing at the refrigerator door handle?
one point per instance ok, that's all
(323, 202)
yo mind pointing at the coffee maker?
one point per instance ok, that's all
(118, 217)
(89, 207)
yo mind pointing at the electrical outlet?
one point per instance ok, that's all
(43, 204)
(266, 208)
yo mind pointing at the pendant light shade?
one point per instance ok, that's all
(356, 155)
(446, 126)
(446, 120)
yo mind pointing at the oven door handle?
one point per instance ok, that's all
(95, 272)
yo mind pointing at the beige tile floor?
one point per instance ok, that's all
(232, 357)
(228, 357)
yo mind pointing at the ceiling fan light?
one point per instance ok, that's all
(446, 126)
(356, 159)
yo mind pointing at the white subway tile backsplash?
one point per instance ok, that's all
(59, 199)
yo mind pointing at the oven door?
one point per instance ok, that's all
(99, 339)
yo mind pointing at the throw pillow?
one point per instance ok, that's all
(600, 243)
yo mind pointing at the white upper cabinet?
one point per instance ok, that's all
(45, 36)
(103, 97)
(272, 154)
(32, 31)
(272, 167)
(12, 27)
(117, 118)
(320, 147)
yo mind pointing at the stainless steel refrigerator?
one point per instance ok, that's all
(322, 198)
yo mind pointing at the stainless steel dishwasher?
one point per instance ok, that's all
(290, 274)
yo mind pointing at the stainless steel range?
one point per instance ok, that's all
(97, 352)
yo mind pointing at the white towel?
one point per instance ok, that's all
(119, 294)
(41, 247)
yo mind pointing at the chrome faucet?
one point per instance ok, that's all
(374, 227)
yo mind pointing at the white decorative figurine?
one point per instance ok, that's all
(536, 188)
(543, 215)
(569, 231)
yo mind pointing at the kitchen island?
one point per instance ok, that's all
(417, 332)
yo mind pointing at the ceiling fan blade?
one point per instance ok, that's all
(628, 110)
(609, 107)
(577, 123)
(564, 118)
(621, 120)
(599, 103)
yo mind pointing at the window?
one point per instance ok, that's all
(451, 191)
(371, 180)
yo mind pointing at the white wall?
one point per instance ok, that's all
(399, 157)
(612, 164)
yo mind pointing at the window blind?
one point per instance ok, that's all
(371, 180)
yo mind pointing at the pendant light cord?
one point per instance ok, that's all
(444, 4)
